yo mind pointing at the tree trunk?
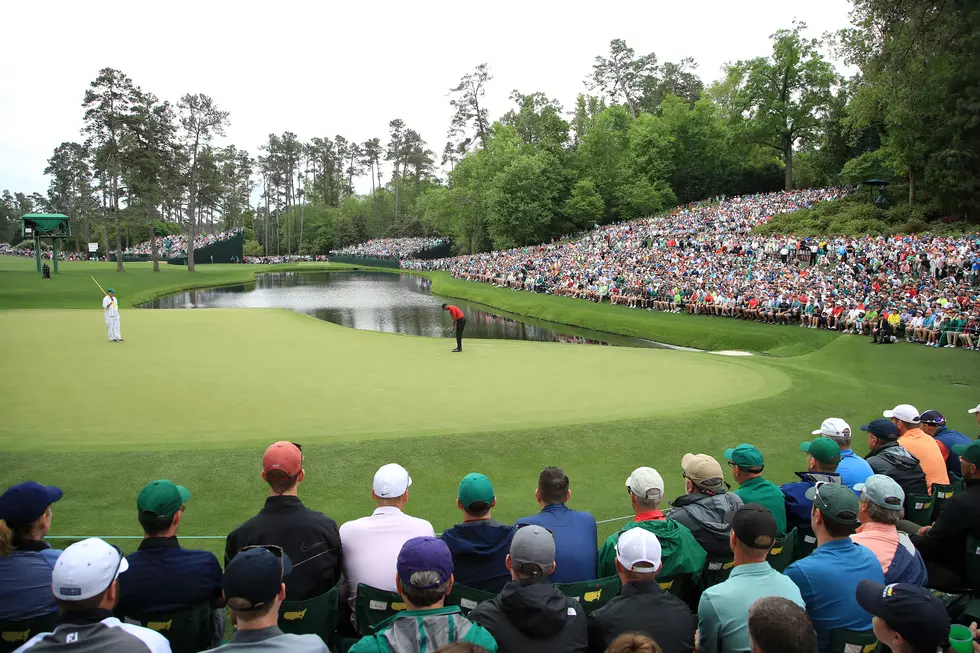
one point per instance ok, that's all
(912, 180)
(153, 246)
(788, 158)
(265, 191)
(397, 185)
(119, 248)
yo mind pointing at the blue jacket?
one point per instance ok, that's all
(576, 535)
(480, 551)
(907, 565)
(853, 469)
(798, 507)
(25, 581)
(949, 437)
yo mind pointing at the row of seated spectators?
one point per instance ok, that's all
(391, 248)
(808, 560)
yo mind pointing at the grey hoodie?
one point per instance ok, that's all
(709, 516)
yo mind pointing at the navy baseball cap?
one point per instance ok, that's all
(911, 611)
(253, 577)
(933, 417)
(424, 554)
(24, 503)
(882, 429)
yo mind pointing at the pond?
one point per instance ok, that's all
(380, 301)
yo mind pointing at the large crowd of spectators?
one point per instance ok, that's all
(175, 246)
(391, 248)
(844, 554)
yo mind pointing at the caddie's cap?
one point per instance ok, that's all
(836, 501)
(704, 471)
(24, 503)
(822, 449)
(284, 456)
(904, 412)
(882, 491)
(424, 554)
(834, 426)
(755, 526)
(933, 417)
(475, 488)
(162, 498)
(253, 577)
(745, 455)
(86, 569)
(969, 452)
(911, 611)
(646, 483)
(639, 550)
(391, 481)
(110, 290)
(882, 429)
(533, 545)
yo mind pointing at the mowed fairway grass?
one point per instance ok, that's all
(195, 396)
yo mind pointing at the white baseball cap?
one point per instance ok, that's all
(974, 410)
(904, 412)
(391, 480)
(638, 545)
(834, 426)
(86, 569)
(646, 483)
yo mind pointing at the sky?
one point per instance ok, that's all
(322, 68)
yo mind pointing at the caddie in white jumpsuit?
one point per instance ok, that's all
(110, 305)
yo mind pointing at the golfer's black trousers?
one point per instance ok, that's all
(460, 323)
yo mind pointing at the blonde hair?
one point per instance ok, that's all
(633, 643)
(6, 539)
(10, 533)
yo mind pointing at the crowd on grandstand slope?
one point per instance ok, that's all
(390, 248)
(175, 246)
(845, 555)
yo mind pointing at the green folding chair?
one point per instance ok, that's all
(683, 586)
(188, 631)
(373, 606)
(918, 509)
(592, 594)
(13, 634)
(467, 598)
(316, 616)
(781, 553)
(972, 566)
(804, 544)
(940, 495)
(843, 640)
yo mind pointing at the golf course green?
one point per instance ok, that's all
(196, 396)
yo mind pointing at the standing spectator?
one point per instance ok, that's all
(254, 587)
(424, 577)
(777, 625)
(907, 619)
(682, 553)
(881, 509)
(723, 612)
(26, 560)
(85, 585)
(575, 532)
(747, 464)
(479, 543)
(707, 507)
(642, 607)
(906, 418)
(889, 458)
(308, 537)
(372, 544)
(852, 468)
(531, 614)
(934, 424)
(828, 577)
(822, 456)
(976, 413)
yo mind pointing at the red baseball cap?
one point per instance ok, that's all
(284, 456)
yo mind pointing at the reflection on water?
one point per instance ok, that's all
(380, 301)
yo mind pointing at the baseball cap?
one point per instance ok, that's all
(911, 611)
(284, 456)
(391, 481)
(86, 569)
(834, 426)
(704, 471)
(533, 545)
(755, 526)
(933, 417)
(253, 577)
(974, 411)
(162, 498)
(638, 545)
(25, 502)
(110, 290)
(970, 452)
(823, 449)
(882, 491)
(904, 413)
(836, 501)
(745, 455)
(424, 554)
(882, 428)
(646, 483)
(475, 488)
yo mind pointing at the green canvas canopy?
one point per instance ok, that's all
(45, 223)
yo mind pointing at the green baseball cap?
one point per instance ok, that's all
(835, 501)
(969, 452)
(824, 450)
(110, 290)
(475, 488)
(162, 498)
(745, 455)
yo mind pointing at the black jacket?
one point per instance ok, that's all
(945, 542)
(891, 459)
(308, 537)
(643, 607)
(709, 516)
(531, 616)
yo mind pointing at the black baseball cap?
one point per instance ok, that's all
(883, 429)
(911, 611)
(932, 417)
(755, 526)
(253, 577)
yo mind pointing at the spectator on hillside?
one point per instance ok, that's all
(976, 413)
(723, 612)
(747, 464)
(852, 468)
(907, 619)
(26, 560)
(822, 456)
(575, 532)
(633, 643)
(829, 576)
(881, 509)
(372, 544)
(85, 585)
(889, 458)
(254, 587)
(777, 625)
(308, 537)
(934, 424)
(162, 576)
(906, 418)
(681, 552)
(531, 614)
(642, 607)
(708, 507)
(424, 577)
(479, 543)
(943, 544)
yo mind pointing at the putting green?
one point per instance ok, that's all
(219, 378)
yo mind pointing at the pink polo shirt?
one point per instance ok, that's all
(882, 539)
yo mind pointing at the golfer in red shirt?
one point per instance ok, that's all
(459, 321)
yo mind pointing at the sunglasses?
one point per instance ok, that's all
(271, 548)
(843, 515)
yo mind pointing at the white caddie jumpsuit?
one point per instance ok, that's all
(110, 305)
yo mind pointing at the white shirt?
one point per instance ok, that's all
(371, 546)
(111, 306)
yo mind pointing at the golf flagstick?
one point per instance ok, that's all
(100, 287)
